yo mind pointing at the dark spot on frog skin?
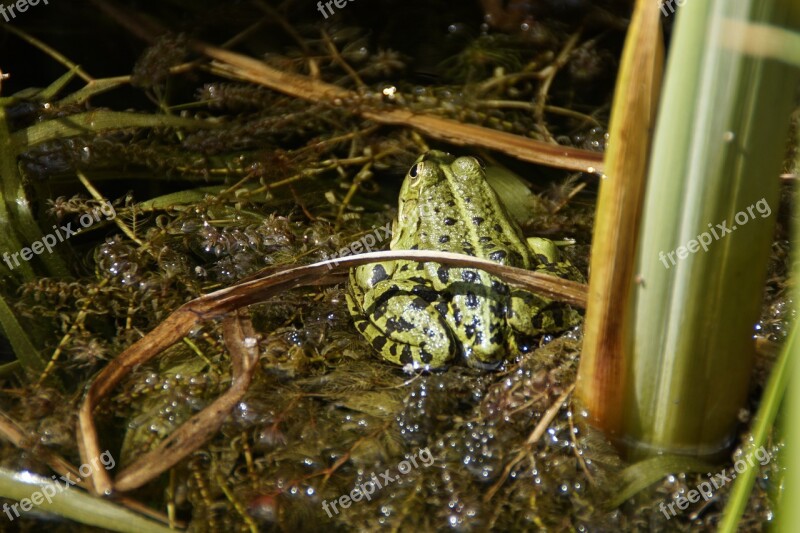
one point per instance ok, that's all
(498, 256)
(398, 324)
(426, 294)
(471, 300)
(498, 310)
(362, 326)
(469, 276)
(443, 273)
(469, 331)
(444, 239)
(426, 357)
(441, 307)
(499, 288)
(543, 259)
(405, 356)
(478, 337)
(378, 274)
(449, 221)
(451, 203)
(419, 303)
(415, 247)
(468, 200)
(379, 342)
(498, 228)
(477, 220)
(484, 239)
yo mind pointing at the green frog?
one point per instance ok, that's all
(429, 315)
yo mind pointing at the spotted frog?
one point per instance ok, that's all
(428, 315)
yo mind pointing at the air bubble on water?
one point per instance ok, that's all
(86, 154)
(389, 91)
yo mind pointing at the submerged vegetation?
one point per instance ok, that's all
(213, 179)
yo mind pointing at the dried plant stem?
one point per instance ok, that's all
(236, 66)
(193, 433)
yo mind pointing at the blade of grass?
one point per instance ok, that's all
(74, 503)
(761, 431)
(16, 213)
(789, 515)
(23, 348)
(98, 121)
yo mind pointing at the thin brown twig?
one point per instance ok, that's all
(534, 437)
(337, 57)
(544, 88)
(52, 52)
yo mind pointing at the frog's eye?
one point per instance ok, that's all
(416, 172)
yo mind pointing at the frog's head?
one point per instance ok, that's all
(433, 177)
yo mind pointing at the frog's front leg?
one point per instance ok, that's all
(533, 315)
(549, 260)
(400, 320)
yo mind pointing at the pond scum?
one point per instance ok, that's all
(327, 436)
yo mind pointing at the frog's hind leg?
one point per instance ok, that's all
(403, 327)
